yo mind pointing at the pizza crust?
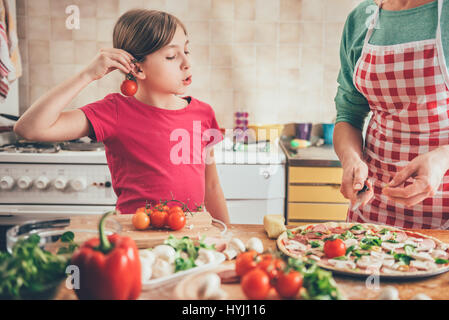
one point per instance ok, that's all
(359, 272)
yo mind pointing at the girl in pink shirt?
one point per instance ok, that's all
(158, 145)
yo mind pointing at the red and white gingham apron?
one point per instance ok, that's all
(407, 87)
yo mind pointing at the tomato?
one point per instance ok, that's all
(128, 88)
(245, 262)
(159, 219)
(271, 266)
(256, 284)
(175, 209)
(288, 284)
(141, 220)
(334, 248)
(176, 221)
(144, 210)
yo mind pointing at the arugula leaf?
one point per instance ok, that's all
(392, 241)
(184, 264)
(441, 261)
(357, 227)
(350, 249)
(368, 242)
(347, 235)
(403, 257)
(315, 244)
(341, 258)
(290, 234)
(409, 249)
(384, 231)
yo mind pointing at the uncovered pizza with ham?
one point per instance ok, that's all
(367, 249)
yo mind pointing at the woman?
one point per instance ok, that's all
(394, 63)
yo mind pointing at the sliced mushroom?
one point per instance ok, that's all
(230, 253)
(421, 296)
(147, 259)
(209, 287)
(255, 244)
(237, 245)
(165, 252)
(162, 268)
(205, 256)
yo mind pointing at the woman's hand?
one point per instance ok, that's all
(108, 60)
(427, 170)
(355, 174)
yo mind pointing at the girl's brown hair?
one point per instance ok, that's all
(142, 32)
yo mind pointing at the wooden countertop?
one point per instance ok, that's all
(436, 287)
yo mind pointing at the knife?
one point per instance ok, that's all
(359, 201)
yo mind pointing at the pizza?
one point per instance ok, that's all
(361, 249)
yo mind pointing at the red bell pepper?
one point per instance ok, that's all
(109, 267)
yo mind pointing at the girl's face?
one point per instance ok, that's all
(168, 69)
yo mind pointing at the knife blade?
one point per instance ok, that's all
(359, 201)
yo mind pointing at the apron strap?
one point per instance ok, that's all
(372, 24)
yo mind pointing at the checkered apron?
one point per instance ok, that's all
(407, 87)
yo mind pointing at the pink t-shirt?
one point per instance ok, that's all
(154, 153)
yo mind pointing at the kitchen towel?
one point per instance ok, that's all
(10, 63)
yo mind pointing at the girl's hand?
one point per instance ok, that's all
(108, 60)
(355, 174)
(427, 170)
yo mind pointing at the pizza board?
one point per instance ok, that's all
(362, 273)
(197, 225)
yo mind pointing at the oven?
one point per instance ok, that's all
(41, 181)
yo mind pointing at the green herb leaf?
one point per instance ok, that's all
(290, 234)
(357, 227)
(403, 257)
(68, 236)
(315, 244)
(441, 261)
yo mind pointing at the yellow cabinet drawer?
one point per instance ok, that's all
(316, 194)
(317, 211)
(315, 175)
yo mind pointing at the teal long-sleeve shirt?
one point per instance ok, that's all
(395, 27)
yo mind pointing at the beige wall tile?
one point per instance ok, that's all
(333, 32)
(107, 9)
(244, 55)
(58, 7)
(23, 49)
(245, 100)
(222, 31)
(23, 97)
(125, 5)
(153, 4)
(37, 91)
(179, 8)
(38, 28)
(290, 10)
(199, 10)
(22, 27)
(289, 78)
(201, 77)
(244, 77)
(199, 31)
(313, 10)
(267, 10)
(62, 52)
(38, 7)
(39, 51)
(85, 51)
(221, 55)
(60, 73)
(290, 33)
(87, 30)
(21, 7)
(289, 56)
(244, 9)
(266, 32)
(200, 54)
(88, 8)
(59, 30)
(244, 31)
(222, 9)
(267, 55)
(222, 101)
(221, 79)
(312, 33)
(105, 28)
(267, 77)
(337, 11)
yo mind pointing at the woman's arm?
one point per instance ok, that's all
(45, 121)
(348, 145)
(214, 198)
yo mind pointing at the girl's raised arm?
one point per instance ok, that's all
(45, 119)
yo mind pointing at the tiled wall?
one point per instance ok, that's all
(277, 59)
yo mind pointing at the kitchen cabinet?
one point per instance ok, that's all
(313, 186)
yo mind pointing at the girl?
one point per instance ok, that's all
(141, 133)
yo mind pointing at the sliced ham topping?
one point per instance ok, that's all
(293, 245)
(337, 230)
(300, 238)
(342, 264)
(320, 228)
(401, 236)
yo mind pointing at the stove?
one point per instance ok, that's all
(53, 180)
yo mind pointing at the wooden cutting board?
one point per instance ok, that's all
(198, 224)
